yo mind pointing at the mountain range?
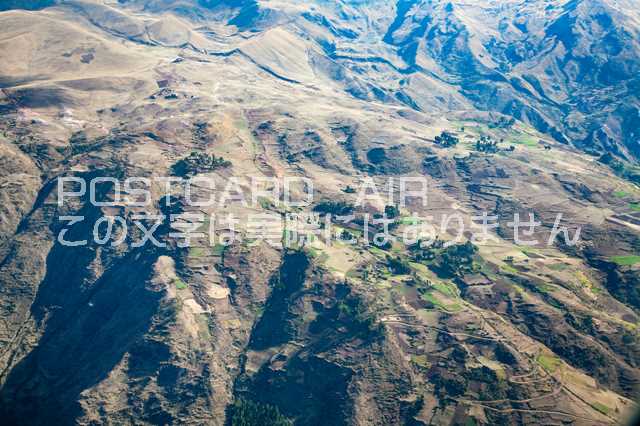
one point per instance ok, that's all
(512, 107)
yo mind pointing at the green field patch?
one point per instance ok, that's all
(635, 207)
(409, 220)
(266, 204)
(420, 360)
(377, 252)
(601, 408)
(313, 252)
(197, 252)
(353, 231)
(470, 422)
(529, 141)
(620, 194)
(509, 269)
(318, 254)
(533, 254)
(437, 303)
(584, 280)
(545, 288)
(626, 260)
(419, 268)
(549, 363)
(495, 366)
(218, 250)
(445, 289)
(429, 297)
(386, 274)
(454, 308)
(180, 285)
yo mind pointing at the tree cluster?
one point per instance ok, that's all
(248, 413)
(335, 208)
(198, 162)
(447, 140)
(487, 144)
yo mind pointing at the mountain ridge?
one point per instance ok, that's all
(481, 100)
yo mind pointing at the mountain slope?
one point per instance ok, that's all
(483, 332)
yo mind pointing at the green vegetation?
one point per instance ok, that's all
(450, 262)
(549, 363)
(336, 208)
(620, 194)
(312, 252)
(377, 252)
(274, 328)
(249, 413)
(398, 266)
(502, 123)
(180, 285)
(419, 269)
(527, 141)
(635, 207)
(492, 386)
(543, 288)
(198, 162)
(626, 260)
(459, 354)
(584, 280)
(453, 307)
(504, 355)
(508, 269)
(486, 144)
(447, 140)
(391, 212)
(347, 236)
(196, 252)
(457, 260)
(601, 408)
(265, 203)
(409, 220)
(420, 360)
(218, 250)
(445, 289)
(448, 385)
(354, 315)
(470, 422)
(376, 155)
(434, 302)
(583, 322)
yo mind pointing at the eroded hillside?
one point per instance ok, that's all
(327, 332)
